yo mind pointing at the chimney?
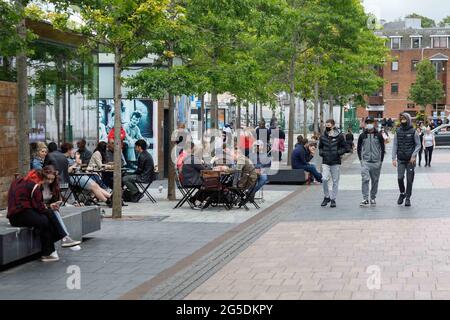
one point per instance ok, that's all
(413, 23)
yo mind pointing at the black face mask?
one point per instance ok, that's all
(328, 129)
(404, 124)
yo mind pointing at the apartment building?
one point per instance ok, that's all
(409, 44)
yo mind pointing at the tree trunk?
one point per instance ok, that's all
(321, 114)
(291, 108)
(117, 194)
(330, 107)
(238, 118)
(214, 110)
(171, 193)
(23, 125)
(57, 106)
(247, 114)
(201, 118)
(305, 118)
(316, 107)
(261, 111)
(341, 116)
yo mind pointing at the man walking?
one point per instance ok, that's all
(332, 146)
(371, 150)
(404, 151)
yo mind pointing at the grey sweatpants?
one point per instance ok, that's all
(333, 173)
(370, 172)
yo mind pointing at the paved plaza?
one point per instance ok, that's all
(289, 249)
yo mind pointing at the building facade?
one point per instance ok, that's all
(410, 44)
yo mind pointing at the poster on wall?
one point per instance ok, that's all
(137, 121)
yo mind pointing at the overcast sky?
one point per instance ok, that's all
(390, 10)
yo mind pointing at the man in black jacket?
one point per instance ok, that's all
(404, 152)
(144, 174)
(371, 151)
(332, 146)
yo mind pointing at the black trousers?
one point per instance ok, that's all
(46, 224)
(428, 154)
(402, 167)
(420, 156)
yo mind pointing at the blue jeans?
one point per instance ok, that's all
(262, 180)
(312, 169)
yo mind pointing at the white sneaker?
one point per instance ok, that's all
(51, 258)
(373, 202)
(68, 242)
(76, 248)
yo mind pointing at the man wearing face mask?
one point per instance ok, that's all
(405, 148)
(371, 154)
(332, 146)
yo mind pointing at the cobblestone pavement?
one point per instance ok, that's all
(386, 252)
(149, 239)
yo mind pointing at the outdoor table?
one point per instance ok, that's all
(77, 187)
(216, 181)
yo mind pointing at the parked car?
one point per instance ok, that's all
(442, 135)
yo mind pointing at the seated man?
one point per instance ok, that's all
(302, 154)
(144, 174)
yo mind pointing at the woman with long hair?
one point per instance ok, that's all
(27, 208)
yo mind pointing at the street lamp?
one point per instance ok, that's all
(423, 50)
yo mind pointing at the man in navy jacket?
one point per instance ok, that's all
(301, 156)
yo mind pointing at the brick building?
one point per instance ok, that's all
(409, 44)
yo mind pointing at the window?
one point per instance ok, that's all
(411, 106)
(395, 43)
(394, 88)
(439, 42)
(394, 65)
(414, 65)
(415, 43)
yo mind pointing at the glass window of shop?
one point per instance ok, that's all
(63, 93)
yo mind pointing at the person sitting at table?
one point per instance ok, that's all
(191, 173)
(51, 194)
(145, 173)
(39, 155)
(98, 158)
(26, 208)
(223, 158)
(85, 154)
(59, 161)
(248, 175)
(85, 181)
(302, 155)
(108, 177)
(97, 161)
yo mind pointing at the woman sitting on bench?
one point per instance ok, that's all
(26, 208)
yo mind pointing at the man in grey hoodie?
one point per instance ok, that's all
(404, 152)
(371, 154)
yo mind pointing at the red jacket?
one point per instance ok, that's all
(21, 197)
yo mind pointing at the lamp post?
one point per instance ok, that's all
(423, 50)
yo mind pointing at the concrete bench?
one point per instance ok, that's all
(20, 243)
(288, 177)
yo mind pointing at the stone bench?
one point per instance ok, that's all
(288, 177)
(20, 243)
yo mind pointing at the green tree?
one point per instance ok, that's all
(126, 29)
(444, 21)
(427, 89)
(426, 22)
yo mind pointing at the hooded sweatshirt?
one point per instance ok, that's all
(406, 141)
(332, 146)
